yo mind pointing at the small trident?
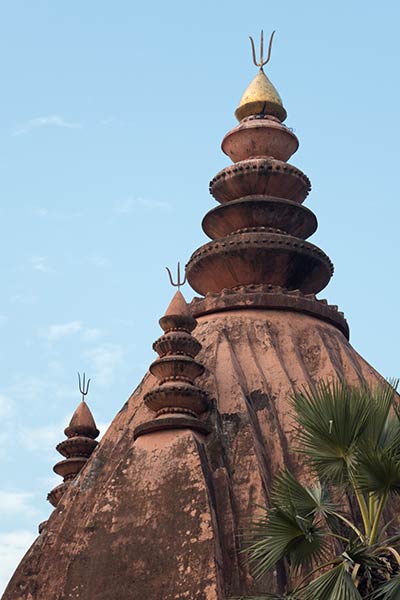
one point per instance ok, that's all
(179, 282)
(83, 386)
(262, 62)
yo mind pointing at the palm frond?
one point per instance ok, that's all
(390, 438)
(309, 547)
(361, 553)
(331, 417)
(380, 402)
(392, 540)
(282, 533)
(289, 493)
(389, 590)
(335, 584)
(378, 470)
(351, 437)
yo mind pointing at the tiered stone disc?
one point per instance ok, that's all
(77, 448)
(259, 231)
(176, 400)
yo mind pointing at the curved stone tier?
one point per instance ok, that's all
(69, 467)
(253, 211)
(259, 135)
(260, 177)
(177, 343)
(77, 446)
(56, 494)
(273, 298)
(176, 367)
(259, 258)
(171, 423)
(177, 397)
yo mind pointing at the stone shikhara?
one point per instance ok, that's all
(157, 510)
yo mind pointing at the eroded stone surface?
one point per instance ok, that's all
(161, 517)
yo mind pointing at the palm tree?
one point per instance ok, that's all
(331, 534)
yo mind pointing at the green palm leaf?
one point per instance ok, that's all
(283, 533)
(389, 590)
(289, 493)
(351, 437)
(381, 400)
(331, 418)
(390, 436)
(378, 470)
(335, 584)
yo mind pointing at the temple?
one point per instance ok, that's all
(157, 509)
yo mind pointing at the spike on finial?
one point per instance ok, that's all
(261, 97)
(179, 281)
(261, 63)
(83, 386)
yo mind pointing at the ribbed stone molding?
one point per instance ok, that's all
(273, 298)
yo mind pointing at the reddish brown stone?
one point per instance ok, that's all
(177, 401)
(77, 448)
(252, 211)
(56, 493)
(82, 423)
(258, 257)
(157, 512)
(271, 298)
(260, 135)
(161, 517)
(260, 177)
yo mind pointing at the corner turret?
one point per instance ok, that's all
(77, 448)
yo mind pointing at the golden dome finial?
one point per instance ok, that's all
(261, 97)
(262, 62)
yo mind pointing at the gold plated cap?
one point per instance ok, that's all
(261, 97)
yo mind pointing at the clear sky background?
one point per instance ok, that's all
(111, 118)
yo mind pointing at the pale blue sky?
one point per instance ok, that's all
(111, 118)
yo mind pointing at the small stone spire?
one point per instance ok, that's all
(176, 401)
(77, 448)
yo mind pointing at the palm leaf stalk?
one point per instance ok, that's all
(350, 438)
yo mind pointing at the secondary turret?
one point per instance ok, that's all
(77, 448)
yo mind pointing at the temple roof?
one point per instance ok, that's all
(157, 511)
(161, 516)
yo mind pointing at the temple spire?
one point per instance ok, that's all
(176, 401)
(259, 232)
(81, 441)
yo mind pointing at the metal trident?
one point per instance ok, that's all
(180, 281)
(262, 62)
(83, 386)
